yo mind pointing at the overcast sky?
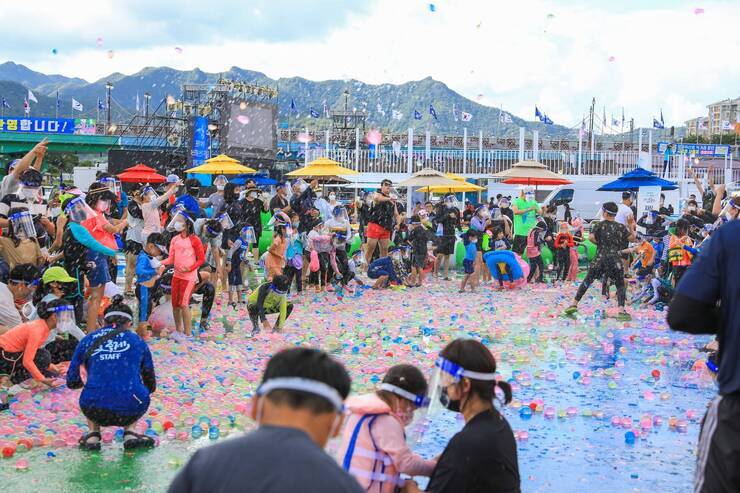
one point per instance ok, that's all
(642, 55)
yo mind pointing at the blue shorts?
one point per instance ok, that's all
(100, 274)
(375, 273)
(468, 266)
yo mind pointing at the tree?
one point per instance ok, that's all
(56, 163)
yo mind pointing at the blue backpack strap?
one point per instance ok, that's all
(375, 446)
(352, 442)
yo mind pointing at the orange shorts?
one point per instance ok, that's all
(377, 232)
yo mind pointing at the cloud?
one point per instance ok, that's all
(664, 56)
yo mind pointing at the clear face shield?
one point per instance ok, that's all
(451, 201)
(149, 194)
(483, 212)
(225, 220)
(340, 214)
(358, 258)
(177, 222)
(23, 227)
(65, 318)
(396, 255)
(299, 186)
(78, 211)
(247, 235)
(220, 182)
(113, 184)
(447, 373)
(340, 237)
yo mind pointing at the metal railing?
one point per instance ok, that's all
(475, 164)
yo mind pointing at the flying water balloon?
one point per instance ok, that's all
(110, 54)
(54, 51)
(611, 58)
(242, 119)
(99, 41)
(698, 11)
(178, 50)
(432, 7)
(304, 138)
(374, 137)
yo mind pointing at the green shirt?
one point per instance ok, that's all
(523, 223)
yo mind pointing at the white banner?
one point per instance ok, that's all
(648, 199)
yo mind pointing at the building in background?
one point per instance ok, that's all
(723, 115)
(698, 126)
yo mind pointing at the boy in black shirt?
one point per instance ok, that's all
(418, 238)
(610, 238)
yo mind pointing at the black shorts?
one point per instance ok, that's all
(132, 247)
(446, 245)
(106, 417)
(418, 260)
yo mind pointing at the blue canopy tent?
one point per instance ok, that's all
(633, 180)
(261, 180)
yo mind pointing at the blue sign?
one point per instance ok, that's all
(38, 125)
(200, 140)
(710, 150)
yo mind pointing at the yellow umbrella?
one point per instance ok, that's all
(222, 165)
(322, 168)
(461, 186)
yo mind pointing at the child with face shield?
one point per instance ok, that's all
(483, 456)
(20, 246)
(275, 259)
(238, 255)
(374, 448)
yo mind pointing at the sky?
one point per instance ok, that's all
(641, 55)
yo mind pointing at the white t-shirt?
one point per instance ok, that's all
(624, 212)
(9, 315)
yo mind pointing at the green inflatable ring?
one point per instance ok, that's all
(546, 254)
(356, 245)
(590, 249)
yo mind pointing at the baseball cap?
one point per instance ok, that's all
(56, 274)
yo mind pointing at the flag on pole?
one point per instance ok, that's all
(615, 122)
(702, 124)
(662, 123)
(26, 107)
(504, 118)
(623, 116)
(31, 97)
(5, 103)
(293, 107)
(76, 105)
(417, 115)
(582, 130)
(397, 115)
(546, 120)
(537, 113)
(314, 113)
(603, 120)
(432, 112)
(101, 105)
(657, 124)
(466, 117)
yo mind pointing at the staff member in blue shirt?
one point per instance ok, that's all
(708, 302)
(120, 378)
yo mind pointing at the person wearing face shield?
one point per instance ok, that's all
(374, 448)
(16, 296)
(151, 203)
(269, 298)
(275, 259)
(21, 353)
(20, 245)
(525, 210)
(281, 201)
(186, 255)
(252, 208)
(99, 199)
(389, 269)
(483, 456)
(298, 407)
(29, 196)
(216, 200)
(237, 256)
(15, 168)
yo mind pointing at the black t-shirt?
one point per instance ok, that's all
(278, 202)
(707, 199)
(482, 458)
(611, 237)
(419, 237)
(382, 213)
(251, 212)
(508, 213)
(449, 218)
(271, 459)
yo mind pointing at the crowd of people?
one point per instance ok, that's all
(63, 315)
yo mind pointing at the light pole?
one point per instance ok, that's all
(147, 97)
(108, 87)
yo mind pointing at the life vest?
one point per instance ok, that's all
(373, 468)
(676, 254)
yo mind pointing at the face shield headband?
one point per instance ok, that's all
(304, 385)
(418, 400)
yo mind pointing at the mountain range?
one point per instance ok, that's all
(379, 101)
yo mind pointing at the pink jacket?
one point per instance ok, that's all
(377, 445)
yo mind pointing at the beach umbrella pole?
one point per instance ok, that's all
(409, 165)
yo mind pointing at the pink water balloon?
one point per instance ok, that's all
(374, 137)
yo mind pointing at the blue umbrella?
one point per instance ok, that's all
(260, 180)
(638, 177)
